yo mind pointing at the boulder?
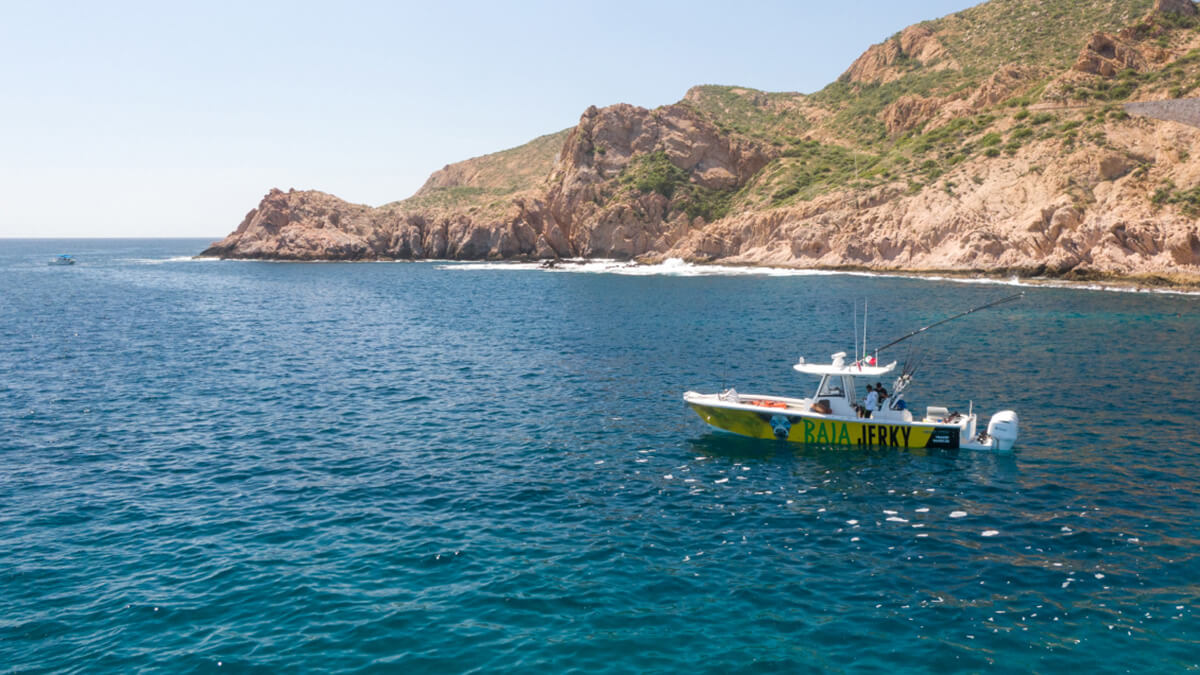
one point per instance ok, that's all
(1185, 7)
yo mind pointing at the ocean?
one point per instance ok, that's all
(217, 466)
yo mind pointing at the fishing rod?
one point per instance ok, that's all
(918, 331)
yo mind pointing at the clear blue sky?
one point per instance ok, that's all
(173, 119)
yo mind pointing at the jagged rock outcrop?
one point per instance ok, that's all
(577, 216)
(1106, 55)
(1002, 223)
(1008, 80)
(885, 61)
(579, 212)
(910, 111)
(312, 225)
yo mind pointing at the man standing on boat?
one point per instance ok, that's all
(871, 402)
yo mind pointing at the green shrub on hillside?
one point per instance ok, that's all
(769, 116)
(654, 172)
(1188, 200)
(810, 168)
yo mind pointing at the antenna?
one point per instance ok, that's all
(854, 304)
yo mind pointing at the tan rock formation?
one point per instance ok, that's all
(884, 62)
(1008, 220)
(1106, 55)
(601, 147)
(1031, 226)
(740, 176)
(909, 112)
(576, 216)
(1007, 81)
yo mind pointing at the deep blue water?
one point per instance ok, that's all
(234, 466)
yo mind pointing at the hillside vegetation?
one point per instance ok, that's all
(992, 138)
(838, 138)
(488, 183)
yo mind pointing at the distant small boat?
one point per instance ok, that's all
(63, 259)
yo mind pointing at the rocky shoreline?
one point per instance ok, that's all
(1189, 285)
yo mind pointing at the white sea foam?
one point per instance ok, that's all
(672, 267)
(172, 259)
(677, 267)
(958, 514)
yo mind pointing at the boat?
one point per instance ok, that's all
(63, 259)
(834, 414)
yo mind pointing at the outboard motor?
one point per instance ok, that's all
(1002, 430)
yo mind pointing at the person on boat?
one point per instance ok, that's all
(880, 395)
(871, 402)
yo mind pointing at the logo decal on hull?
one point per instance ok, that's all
(863, 434)
(781, 425)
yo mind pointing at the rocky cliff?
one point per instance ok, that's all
(993, 140)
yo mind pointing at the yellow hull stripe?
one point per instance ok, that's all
(804, 429)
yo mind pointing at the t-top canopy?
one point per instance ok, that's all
(840, 367)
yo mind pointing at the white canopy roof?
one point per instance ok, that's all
(840, 367)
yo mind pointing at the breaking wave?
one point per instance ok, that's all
(676, 267)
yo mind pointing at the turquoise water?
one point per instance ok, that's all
(233, 466)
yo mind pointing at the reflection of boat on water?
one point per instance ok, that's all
(833, 415)
(63, 259)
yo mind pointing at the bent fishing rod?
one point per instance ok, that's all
(918, 331)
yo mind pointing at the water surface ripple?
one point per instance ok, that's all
(359, 467)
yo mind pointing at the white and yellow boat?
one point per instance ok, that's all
(832, 415)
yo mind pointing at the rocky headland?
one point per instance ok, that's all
(995, 140)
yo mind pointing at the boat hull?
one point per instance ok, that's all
(799, 427)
